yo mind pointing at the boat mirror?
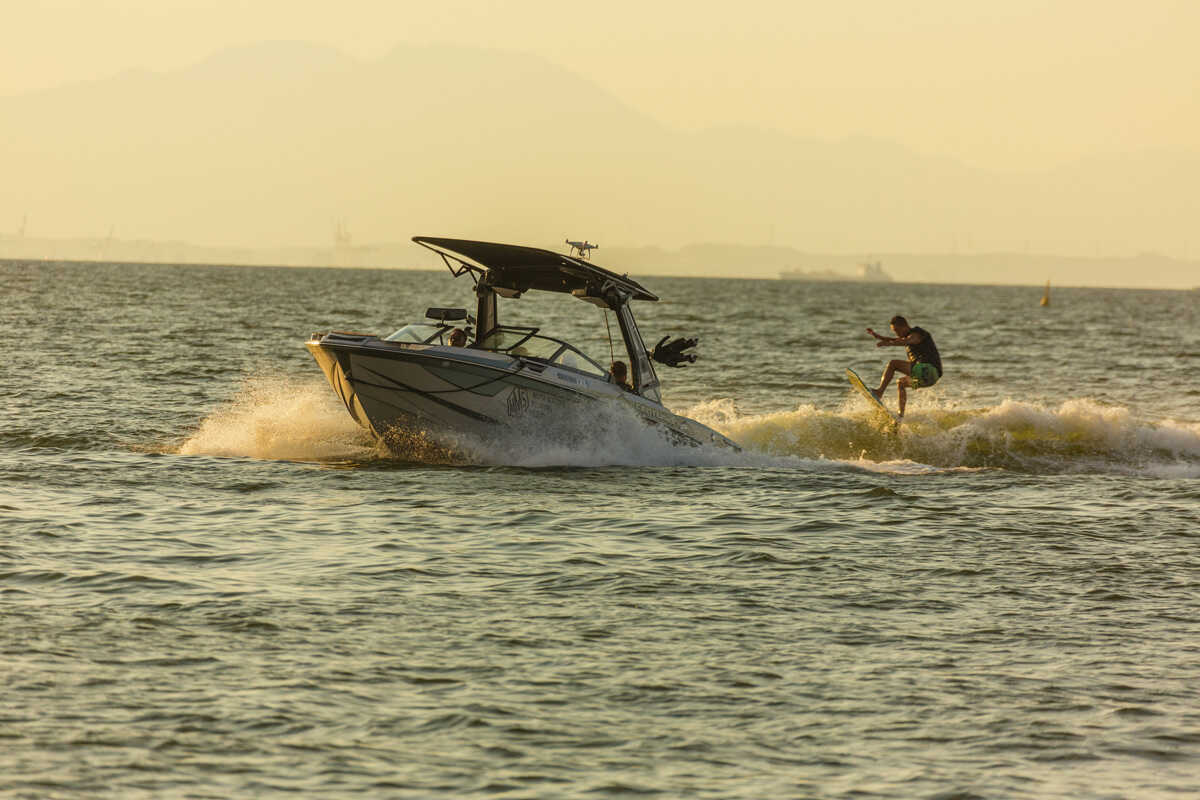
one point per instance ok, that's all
(446, 314)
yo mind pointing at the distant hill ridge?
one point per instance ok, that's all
(270, 145)
(1148, 270)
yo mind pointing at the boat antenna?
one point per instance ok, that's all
(611, 355)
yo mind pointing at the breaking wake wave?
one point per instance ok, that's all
(285, 419)
(1079, 435)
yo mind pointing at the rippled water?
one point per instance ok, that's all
(214, 585)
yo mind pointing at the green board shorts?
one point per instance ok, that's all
(923, 375)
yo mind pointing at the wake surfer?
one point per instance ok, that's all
(923, 367)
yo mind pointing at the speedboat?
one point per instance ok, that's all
(455, 378)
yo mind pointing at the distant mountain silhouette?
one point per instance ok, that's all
(270, 144)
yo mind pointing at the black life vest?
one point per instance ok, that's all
(924, 351)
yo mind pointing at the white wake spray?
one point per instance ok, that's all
(272, 417)
(277, 418)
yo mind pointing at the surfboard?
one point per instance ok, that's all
(857, 383)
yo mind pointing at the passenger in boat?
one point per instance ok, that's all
(458, 338)
(923, 367)
(620, 375)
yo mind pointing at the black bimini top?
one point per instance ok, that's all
(524, 268)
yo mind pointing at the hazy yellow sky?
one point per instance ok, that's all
(1011, 84)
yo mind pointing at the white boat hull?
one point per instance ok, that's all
(458, 397)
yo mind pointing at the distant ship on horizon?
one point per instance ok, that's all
(868, 272)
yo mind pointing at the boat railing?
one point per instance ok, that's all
(526, 342)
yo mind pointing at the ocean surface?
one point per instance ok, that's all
(215, 585)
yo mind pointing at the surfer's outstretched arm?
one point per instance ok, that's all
(895, 341)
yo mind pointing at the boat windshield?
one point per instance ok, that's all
(527, 343)
(420, 332)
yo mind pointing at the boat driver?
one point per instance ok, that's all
(923, 367)
(458, 338)
(620, 375)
